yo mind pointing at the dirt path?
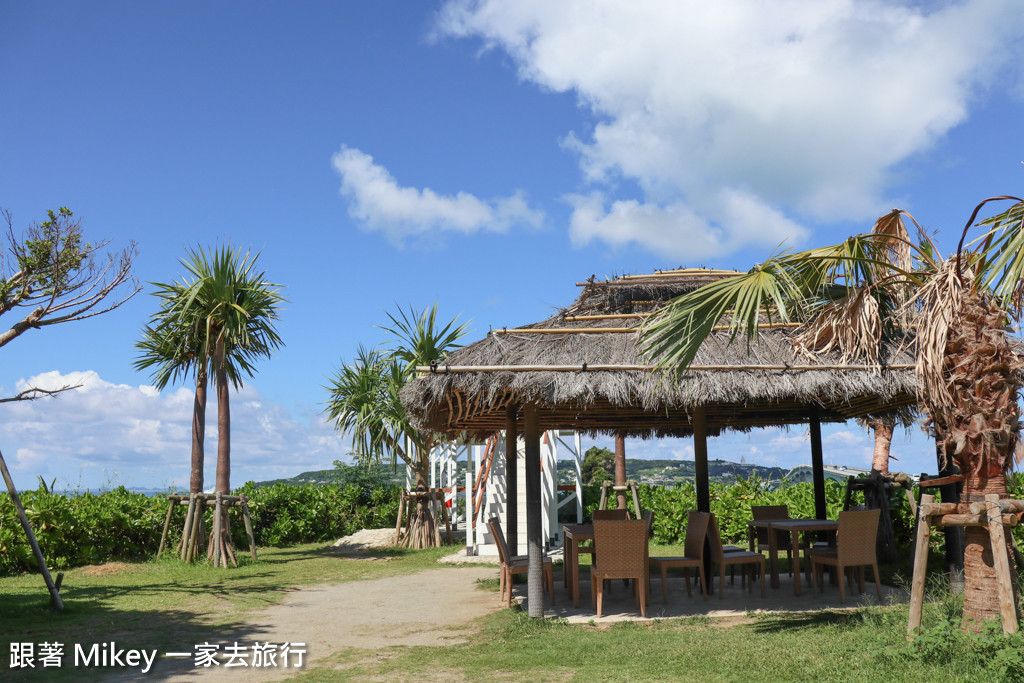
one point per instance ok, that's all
(432, 607)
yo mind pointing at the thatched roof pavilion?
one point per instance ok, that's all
(581, 369)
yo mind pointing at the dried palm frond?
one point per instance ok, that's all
(938, 304)
(852, 325)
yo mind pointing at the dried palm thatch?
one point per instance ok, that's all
(583, 368)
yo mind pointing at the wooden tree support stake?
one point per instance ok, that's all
(55, 602)
(994, 514)
(244, 504)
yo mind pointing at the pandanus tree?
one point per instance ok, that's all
(882, 289)
(219, 319)
(364, 403)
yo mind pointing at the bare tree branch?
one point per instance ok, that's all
(35, 393)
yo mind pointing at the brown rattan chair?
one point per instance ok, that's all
(516, 564)
(696, 530)
(855, 547)
(621, 546)
(621, 513)
(724, 559)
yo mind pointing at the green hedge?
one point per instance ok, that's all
(284, 514)
(118, 525)
(85, 528)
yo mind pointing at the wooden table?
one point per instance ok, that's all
(773, 544)
(572, 534)
(795, 527)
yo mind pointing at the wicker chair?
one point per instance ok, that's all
(622, 547)
(696, 531)
(724, 559)
(621, 513)
(602, 514)
(517, 564)
(855, 547)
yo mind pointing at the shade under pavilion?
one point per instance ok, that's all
(582, 369)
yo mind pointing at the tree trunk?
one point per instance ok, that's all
(620, 468)
(979, 431)
(883, 443)
(198, 431)
(981, 592)
(423, 531)
(223, 423)
(223, 484)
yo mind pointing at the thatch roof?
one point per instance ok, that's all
(584, 371)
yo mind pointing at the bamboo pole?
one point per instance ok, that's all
(447, 369)
(244, 504)
(1001, 563)
(55, 601)
(627, 330)
(924, 531)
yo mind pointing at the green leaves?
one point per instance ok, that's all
(223, 299)
(364, 397)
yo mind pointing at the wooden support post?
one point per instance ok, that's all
(186, 534)
(603, 505)
(167, 524)
(636, 499)
(216, 532)
(620, 468)
(55, 602)
(447, 519)
(1001, 563)
(534, 549)
(398, 522)
(700, 459)
(817, 465)
(924, 530)
(244, 504)
(511, 481)
(701, 481)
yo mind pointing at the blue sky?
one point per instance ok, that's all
(483, 155)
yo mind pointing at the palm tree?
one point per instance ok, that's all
(231, 310)
(364, 402)
(174, 351)
(869, 292)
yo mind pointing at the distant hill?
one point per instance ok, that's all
(332, 477)
(668, 472)
(656, 472)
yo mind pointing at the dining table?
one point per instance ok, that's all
(572, 536)
(794, 527)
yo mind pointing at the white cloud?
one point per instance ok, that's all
(380, 204)
(676, 230)
(104, 433)
(734, 115)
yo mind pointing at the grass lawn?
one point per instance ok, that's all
(165, 605)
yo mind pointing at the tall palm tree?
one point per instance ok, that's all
(871, 290)
(231, 308)
(364, 403)
(173, 351)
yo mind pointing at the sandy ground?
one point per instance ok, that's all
(433, 607)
